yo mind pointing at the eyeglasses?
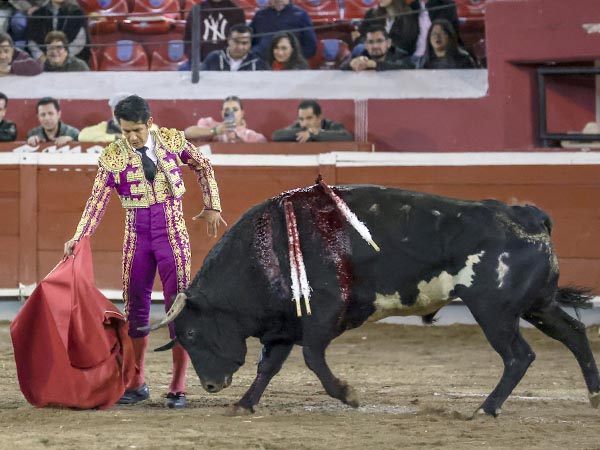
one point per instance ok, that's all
(375, 41)
(55, 48)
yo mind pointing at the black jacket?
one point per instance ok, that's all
(219, 61)
(404, 32)
(440, 9)
(71, 19)
(330, 131)
(395, 59)
(8, 131)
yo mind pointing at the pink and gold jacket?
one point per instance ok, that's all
(120, 167)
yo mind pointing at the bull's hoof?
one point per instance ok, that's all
(594, 399)
(482, 413)
(349, 396)
(236, 410)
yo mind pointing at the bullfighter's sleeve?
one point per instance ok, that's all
(96, 204)
(200, 164)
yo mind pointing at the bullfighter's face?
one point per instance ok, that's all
(215, 351)
(136, 133)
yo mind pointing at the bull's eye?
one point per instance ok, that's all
(191, 333)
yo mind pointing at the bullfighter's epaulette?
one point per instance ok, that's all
(114, 157)
(172, 139)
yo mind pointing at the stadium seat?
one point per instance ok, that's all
(124, 55)
(152, 17)
(104, 14)
(330, 54)
(471, 13)
(251, 6)
(321, 11)
(356, 9)
(170, 57)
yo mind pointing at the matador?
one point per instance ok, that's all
(144, 168)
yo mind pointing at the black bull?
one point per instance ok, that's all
(497, 259)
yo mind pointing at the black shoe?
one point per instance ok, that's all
(176, 400)
(134, 396)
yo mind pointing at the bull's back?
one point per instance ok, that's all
(433, 248)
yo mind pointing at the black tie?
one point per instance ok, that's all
(149, 167)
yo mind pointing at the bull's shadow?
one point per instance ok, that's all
(305, 243)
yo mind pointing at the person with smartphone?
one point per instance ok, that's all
(231, 129)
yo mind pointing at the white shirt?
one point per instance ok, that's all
(424, 25)
(150, 144)
(234, 64)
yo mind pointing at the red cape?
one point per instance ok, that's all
(71, 344)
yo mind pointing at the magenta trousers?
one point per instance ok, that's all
(155, 238)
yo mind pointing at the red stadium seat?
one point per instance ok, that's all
(104, 14)
(321, 11)
(356, 9)
(124, 55)
(152, 17)
(251, 6)
(330, 54)
(170, 57)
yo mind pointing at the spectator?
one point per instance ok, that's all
(285, 53)
(216, 19)
(311, 127)
(60, 15)
(396, 16)
(280, 15)
(14, 61)
(107, 130)
(51, 128)
(8, 130)
(379, 54)
(232, 129)
(13, 18)
(430, 10)
(57, 55)
(237, 55)
(443, 51)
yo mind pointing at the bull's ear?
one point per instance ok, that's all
(167, 346)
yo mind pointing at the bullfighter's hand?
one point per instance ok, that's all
(213, 221)
(68, 251)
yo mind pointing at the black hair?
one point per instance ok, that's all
(47, 101)
(305, 104)
(133, 109)
(240, 28)
(379, 28)
(296, 60)
(4, 97)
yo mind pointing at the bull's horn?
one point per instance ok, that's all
(167, 346)
(176, 308)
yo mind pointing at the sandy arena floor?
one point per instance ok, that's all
(417, 385)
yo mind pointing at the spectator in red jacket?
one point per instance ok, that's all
(14, 61)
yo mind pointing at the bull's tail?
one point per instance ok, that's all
(574, 296)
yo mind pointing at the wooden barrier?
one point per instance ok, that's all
(43, 195)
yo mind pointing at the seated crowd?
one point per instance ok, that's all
(53, 36)
(310, 126)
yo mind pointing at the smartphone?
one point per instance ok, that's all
(229, 117)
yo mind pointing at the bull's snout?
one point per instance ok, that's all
(213, 386)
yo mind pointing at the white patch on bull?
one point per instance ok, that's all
(502, 268)
(433, 294)
(374, 208)
(435, 212)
